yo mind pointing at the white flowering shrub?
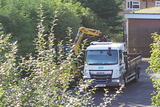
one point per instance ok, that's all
(46, 83)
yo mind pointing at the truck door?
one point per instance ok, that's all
(121, 60)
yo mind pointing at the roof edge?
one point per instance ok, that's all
(142, 16)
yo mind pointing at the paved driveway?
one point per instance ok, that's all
(135, 94)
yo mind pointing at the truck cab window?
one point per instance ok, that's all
(102, 57)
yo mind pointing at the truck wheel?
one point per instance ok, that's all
(136, 77)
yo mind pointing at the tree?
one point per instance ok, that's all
(19, 17)
(108, 10)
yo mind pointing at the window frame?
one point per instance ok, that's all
(156, 3)
(130, 5)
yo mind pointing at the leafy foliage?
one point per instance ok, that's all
(9, 74)
(47, 84)
(107, 10)
(155, 66)
(19, 17)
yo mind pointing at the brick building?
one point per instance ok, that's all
(134, 5)
(140, 24)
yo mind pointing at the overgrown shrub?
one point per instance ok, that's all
(155, 67)
(47, 83)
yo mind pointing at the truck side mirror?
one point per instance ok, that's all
(125, 56)
(124, 53)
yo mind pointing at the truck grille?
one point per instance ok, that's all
(101, 78)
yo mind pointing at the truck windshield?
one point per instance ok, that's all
(102, 57)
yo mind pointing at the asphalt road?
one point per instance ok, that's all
(134, 94)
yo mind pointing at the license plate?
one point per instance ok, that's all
(100, 72)
(100, 85)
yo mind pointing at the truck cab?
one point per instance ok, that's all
(105, 64)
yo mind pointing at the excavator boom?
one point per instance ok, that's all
(81, 32)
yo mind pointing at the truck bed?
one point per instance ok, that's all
(134, 59)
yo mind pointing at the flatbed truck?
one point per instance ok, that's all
(108, 64)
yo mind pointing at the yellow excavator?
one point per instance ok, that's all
(81, 31)
(87, 31)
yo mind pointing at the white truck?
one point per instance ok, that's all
(108, 64)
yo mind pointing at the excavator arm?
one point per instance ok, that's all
(81, 32)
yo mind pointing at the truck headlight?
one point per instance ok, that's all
(115, 80)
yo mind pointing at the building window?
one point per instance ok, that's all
(134, 5)
(157, 3)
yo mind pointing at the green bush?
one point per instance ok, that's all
(47, 84)
(155, 66)
(19, 17)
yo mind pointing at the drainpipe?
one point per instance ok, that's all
(146, 4)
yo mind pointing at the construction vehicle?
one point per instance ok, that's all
(107, 63)
(87, 31)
